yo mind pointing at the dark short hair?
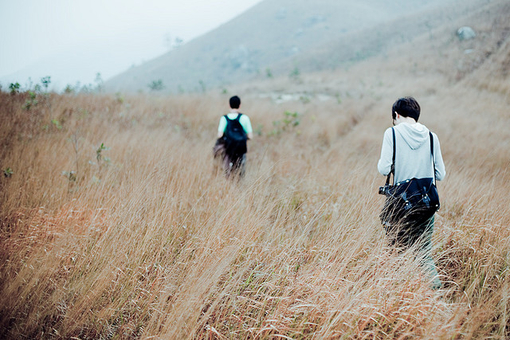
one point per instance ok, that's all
(235, 102)
(406, 107)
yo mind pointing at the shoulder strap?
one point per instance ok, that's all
(432, 152)
(237, 118)
(392, 171)
(394, 151)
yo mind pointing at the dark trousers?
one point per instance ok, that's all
(233, 165)
(419, 236)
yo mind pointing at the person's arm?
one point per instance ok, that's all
(438, 160)
(222, 126)
(386, 159)
(246, 123)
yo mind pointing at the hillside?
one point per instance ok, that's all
(281, 35)
(433, 55)
(116, 224)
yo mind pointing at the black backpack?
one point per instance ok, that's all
(235, 138)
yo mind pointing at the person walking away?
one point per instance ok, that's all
(413, 154)
(234, 130)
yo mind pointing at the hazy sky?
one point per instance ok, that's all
(72, 40)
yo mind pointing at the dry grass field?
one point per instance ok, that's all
(143, 238)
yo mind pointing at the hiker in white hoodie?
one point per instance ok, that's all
(413, 159)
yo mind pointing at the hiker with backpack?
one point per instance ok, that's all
(231, 147)
(413, 155)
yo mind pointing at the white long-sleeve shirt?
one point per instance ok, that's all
(413, 158)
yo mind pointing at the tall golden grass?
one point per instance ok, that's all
(147, 240)
(154, 243)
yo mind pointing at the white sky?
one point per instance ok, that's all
(72, 40)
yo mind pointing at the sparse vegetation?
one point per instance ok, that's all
(68, 89)
(56, 124)
(156, 85)
(8, 172)
(46, 81)
(14, 88)
(289, 122)
(99, 83)
(203, 88)
(294, 74)
(269, 73)
(32, 101)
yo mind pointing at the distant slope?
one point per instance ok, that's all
(278, 35)
(364, 43)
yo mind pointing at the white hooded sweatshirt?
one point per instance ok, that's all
(413, 158)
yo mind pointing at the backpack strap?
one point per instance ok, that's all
(237, 118)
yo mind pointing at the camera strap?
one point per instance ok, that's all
(432, 152)
(392, 171)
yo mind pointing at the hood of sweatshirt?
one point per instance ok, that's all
(415, 135)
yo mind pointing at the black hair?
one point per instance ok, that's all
(406, 107)
(235, 102)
